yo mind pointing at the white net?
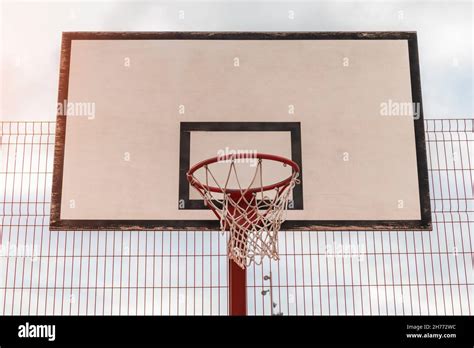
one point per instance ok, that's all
(251, 216)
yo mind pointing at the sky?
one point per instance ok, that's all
(31, 37)
(30, 51)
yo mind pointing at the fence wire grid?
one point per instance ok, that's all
(185, 272)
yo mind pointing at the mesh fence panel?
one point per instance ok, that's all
(185, 272)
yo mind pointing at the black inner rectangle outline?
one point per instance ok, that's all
(57, 223)
(185, 153)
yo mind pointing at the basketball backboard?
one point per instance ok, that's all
(136, 110)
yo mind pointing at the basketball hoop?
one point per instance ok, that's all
(252, 213)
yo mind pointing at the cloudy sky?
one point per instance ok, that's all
(29, 52)
(31, 35)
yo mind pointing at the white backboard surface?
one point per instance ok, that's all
(336, 104)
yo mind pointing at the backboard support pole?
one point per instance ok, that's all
(237, 289)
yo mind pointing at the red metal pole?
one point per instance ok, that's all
(238, 275)
(237, 289)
